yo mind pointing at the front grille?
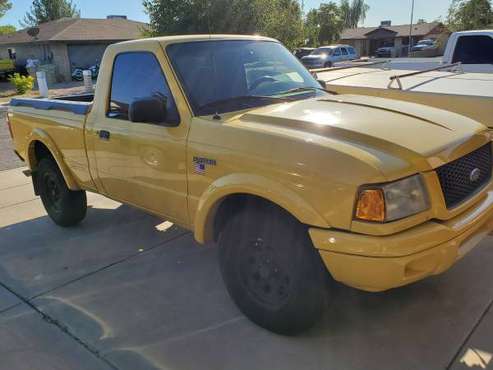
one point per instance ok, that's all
(460, 179)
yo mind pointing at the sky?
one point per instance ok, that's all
(398, 11)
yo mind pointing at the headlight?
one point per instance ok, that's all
(393, 201)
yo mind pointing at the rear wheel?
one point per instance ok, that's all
(65, 207)
(271, 269)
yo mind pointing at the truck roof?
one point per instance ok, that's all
(472, 32)
(204, 37)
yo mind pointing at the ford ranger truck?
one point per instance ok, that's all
(232, 138)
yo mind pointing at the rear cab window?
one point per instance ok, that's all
(139, 75)
(474, 50)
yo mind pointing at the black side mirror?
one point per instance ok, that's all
(323, 84)
(150, 109)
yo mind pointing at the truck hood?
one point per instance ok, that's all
(423, 137)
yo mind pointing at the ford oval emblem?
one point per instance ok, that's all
(475, 175)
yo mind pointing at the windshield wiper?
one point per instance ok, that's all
(238, 103)
(302, 89)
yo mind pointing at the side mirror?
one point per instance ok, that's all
(150, 109)
(323, 84)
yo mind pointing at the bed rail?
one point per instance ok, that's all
(454, 67)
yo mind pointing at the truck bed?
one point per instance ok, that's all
(470, 94)
(77, 104)
(62, 120)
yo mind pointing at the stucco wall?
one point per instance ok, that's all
(25, 51)
(61, 60)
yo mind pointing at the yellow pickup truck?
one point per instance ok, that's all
(232, 138)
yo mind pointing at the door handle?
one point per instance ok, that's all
(104, 135)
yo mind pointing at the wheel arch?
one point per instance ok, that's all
(215, 203)
(42, 145)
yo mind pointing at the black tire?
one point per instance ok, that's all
(328, 65)
(64, 206)
(271, 269)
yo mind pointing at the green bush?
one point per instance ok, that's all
(22, 84)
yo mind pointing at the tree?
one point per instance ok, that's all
(470, 15)
(324, 25)
(280, 19)
(353, 13)
(5, 6)
(5, 30)
(49, 10)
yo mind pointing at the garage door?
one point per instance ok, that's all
(85, 55)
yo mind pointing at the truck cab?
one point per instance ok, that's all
(474, 49)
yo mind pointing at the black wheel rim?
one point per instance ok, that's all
(53, 192)
(264, 274)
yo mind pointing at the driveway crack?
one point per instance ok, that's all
(47, 318)
(468, 336)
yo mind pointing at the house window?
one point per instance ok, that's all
(11, 53)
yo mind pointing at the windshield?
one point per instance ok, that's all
(321, 51)
(225, 76)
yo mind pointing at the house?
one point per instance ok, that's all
(366, 40)
(68, 42)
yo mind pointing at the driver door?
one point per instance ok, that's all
(143, 164)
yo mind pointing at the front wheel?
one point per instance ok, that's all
(271, 269)
(328, 64)
(64, 206)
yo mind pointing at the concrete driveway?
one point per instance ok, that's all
(125, 290)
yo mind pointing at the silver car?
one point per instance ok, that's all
(326, 56)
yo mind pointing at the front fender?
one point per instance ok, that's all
(256, 185)
(42, 136)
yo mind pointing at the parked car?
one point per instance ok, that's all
(424, 45)
(232, 138)
(326, 56)
(302, 52)
(385, 52)
(474, 49)
(468, 94)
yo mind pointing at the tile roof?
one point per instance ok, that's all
(421, 29)
(79, 29)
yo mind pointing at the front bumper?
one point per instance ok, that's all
(378, 263)
(314, 65)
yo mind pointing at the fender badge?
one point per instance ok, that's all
(200, 164)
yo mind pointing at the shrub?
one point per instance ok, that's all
(22, 84)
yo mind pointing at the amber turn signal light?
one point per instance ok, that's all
(371, 205)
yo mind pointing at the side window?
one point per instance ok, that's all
(138, 75)
(344, 51)
(474, 50)
(351, 51)
(337, 52)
